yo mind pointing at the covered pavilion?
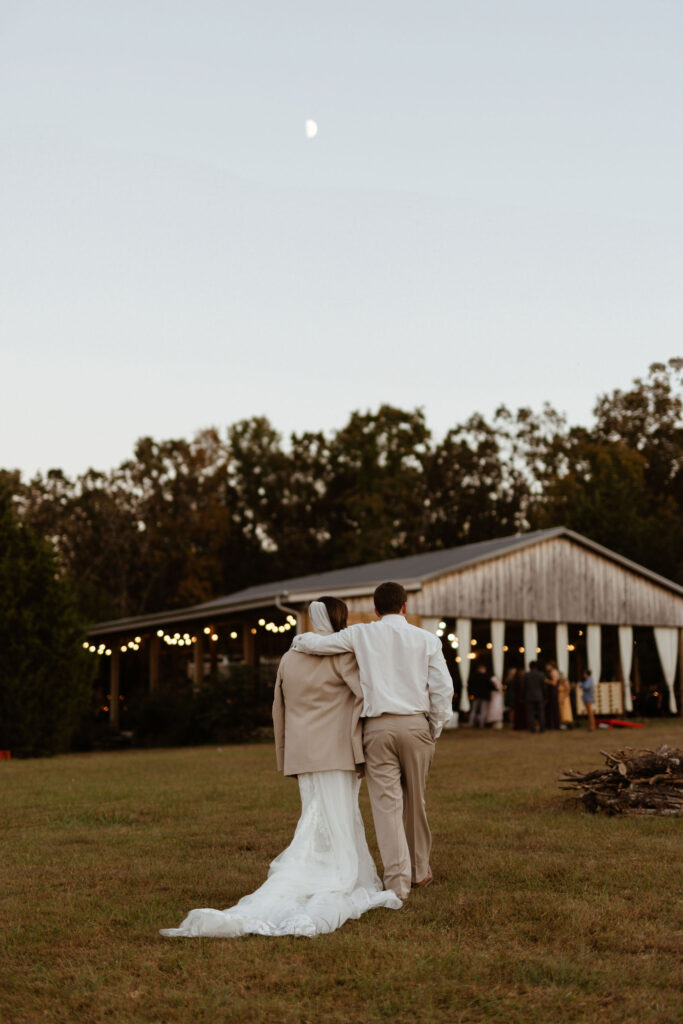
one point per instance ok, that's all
(548, 594)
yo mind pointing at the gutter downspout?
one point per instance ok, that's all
(292, 611)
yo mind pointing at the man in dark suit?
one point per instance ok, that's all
(534, 697)
(480, 688)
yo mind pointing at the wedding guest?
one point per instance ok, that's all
(509, 695)
(519, 710)
(588, 694)
(552, 676)
(481, 688)
(494, 713)
(564, 702)
(534, 697)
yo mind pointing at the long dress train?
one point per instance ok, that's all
(324, 877)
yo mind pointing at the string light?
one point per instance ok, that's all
(233, 635)
(160, 632)
(442, 625)
(261, 622)
(489, 647)
(207, 629)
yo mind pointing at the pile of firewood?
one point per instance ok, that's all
(632, 782)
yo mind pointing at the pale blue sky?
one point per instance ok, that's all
(491, 212)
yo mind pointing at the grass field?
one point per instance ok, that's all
(539, 911)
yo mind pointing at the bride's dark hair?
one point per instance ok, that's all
(337, 611)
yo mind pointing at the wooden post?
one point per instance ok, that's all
(114, 678)
(213, 655)
(199, 662)
(680, 672)
(248, 645)
(154, 649)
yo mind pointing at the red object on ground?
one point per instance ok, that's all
(619, 723)
(5, 755)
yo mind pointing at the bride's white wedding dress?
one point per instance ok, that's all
(325, 876)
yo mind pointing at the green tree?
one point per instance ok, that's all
(476, 489)
(375, 499)
(45, 676)
(620, 482)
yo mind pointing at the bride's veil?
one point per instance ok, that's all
(320, 620)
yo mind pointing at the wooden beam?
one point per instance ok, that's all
(213, 656)
(248, 645)
(114, 679)
(680, 672)
(154, 649)
(199, 662)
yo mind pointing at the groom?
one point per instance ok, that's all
(407, 699)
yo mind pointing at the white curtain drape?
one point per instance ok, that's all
(530, 642)
(666, 638)
(497, 643)
(594, 651)
(626, 657)
(561, 652)
(463, 629)
(430, 624)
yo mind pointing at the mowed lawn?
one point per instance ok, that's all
(539, 911)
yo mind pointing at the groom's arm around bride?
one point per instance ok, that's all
(407, 699)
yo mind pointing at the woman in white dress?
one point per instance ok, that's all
(326, 875)
(494, 713)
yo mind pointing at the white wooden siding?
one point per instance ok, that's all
(556, 580)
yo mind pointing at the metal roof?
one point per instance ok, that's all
(411, 571)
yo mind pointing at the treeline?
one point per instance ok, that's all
(184, 521)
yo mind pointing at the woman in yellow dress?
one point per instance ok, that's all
(564, 701)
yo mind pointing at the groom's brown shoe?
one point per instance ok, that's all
(427, 880)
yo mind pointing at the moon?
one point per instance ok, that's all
(311, 129)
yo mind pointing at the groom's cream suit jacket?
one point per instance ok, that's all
(316, 713)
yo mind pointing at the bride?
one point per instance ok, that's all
(326, 875)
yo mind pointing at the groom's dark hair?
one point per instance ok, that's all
(390, 598)
(337, 611)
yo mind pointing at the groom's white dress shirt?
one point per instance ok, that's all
(402, 667)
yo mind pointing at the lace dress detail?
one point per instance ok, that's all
(324, 877)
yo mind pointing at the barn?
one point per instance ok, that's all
(547, 594)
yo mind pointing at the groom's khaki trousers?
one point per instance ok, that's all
(398, 754)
